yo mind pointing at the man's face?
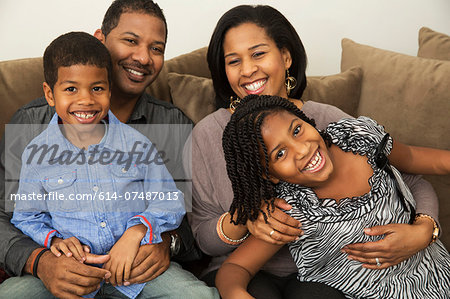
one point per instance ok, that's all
(137, 46)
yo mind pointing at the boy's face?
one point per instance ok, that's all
(137, 46)
(81, 94)
(297, 152)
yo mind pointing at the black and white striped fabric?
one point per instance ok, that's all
(329, 226)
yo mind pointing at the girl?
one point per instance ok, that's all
(337, 185)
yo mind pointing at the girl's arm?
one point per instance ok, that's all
(239, 268)
(419, 160)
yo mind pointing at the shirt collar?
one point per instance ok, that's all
(139, 111)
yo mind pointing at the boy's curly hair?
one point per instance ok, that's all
(246, 155)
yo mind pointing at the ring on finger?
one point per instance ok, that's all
(271, 233)
(378, 262)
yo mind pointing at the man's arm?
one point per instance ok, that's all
(15, 247)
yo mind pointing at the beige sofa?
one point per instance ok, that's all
(409, 95)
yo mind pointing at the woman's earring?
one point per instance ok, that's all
(234, 101)
(290, 83)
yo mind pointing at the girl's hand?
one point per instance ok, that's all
(70, 247)
(401, 241)
(285, 228)
(123, 254)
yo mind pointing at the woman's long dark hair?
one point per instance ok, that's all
(246, 155)
(276, 26)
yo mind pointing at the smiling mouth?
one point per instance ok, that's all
(316, 163)
(254, 87)
(134, 72)
(85, 116)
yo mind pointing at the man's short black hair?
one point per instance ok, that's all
(118, 7)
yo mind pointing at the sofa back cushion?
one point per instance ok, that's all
(433, 44)
(20, 82)
(193, 63)
(341, 90)
(410, 96)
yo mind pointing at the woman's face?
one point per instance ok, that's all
(253, 62)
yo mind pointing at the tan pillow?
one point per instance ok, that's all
(410, 96)
(20, 83)
(193, 63)
(433, 44)
(194, 95)
(407, 94)
(340, 90)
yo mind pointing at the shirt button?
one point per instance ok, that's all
(60, 181)
(95, 189)
(103, 224)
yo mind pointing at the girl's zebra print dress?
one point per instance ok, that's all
(329, 226)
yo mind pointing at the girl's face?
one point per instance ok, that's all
(253, 62)
(297, 153)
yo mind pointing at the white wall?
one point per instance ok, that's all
(28, 26)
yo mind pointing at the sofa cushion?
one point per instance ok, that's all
(340, 90)
(193, 63)
(194, 95)
(410, 96)
(433, 44)
(20, 82)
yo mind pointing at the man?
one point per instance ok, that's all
(135, 33)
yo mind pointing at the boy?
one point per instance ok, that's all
(103, 186)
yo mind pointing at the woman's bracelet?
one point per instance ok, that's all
(435, 234)
(224, 237)
(35, 263)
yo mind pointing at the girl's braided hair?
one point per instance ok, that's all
(245, 152)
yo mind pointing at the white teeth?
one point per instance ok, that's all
(135, 72)
(84, 115)
(315, 162)
(255, 85)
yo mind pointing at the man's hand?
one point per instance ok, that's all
(401, 241)
(151, 261)
(286, 229)
(65, 277)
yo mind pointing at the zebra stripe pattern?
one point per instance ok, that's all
(329, 226)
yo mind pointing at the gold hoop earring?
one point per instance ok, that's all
(234, 102)
(290, 82)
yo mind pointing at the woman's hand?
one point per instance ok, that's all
(285, 228)
(401, 241)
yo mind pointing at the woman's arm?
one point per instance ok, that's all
(239, 268)
(419, 160)
(212, 193)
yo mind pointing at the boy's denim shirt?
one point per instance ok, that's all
(97, 194)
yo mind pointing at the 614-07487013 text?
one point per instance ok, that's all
(106, 196)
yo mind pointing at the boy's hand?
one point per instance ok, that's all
(70, 247)
(123, 254)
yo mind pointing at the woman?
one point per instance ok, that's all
(255, 50)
